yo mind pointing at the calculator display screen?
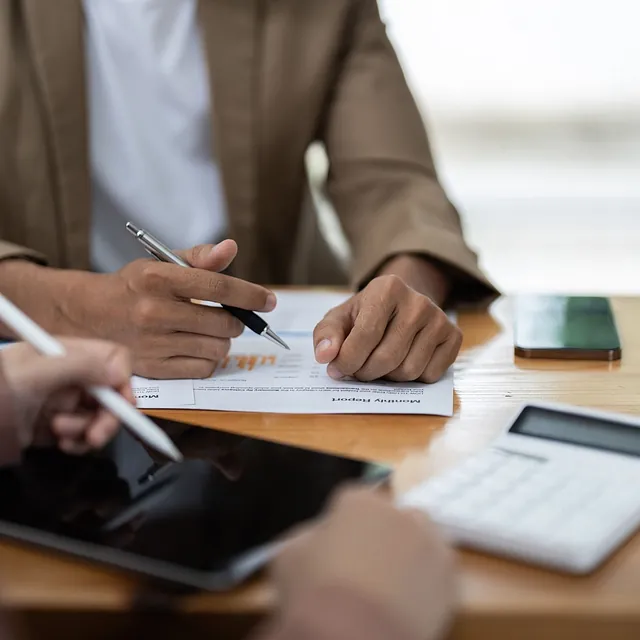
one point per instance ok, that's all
(581, 430)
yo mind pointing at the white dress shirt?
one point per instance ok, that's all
(150, 136)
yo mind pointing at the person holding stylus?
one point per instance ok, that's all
(365, 571)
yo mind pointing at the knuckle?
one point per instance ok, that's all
(223, 324)
(439, 321)
(393, 285)
(199, 251)
(420, 312)
(411, 370)
(145, 313)
(387, 357)
(431, 376)
(255, 297)
(201, 315)
(349, 359)
(370, 328)
(150, 277)
(218, 286)
(120, 355)
(202, 368)
(151, 369)
(235, 328)
(221, 349)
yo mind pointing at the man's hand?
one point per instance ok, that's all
(397, 560)
(388, 330)
(48, 397)
(146, 306)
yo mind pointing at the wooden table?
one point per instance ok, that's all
(500, 599)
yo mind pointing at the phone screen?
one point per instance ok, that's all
(556, 323)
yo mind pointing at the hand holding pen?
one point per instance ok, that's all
(146, 307)
(162, 253)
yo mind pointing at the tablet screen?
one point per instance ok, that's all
(205, 522)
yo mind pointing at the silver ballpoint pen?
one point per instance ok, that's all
(162, 253)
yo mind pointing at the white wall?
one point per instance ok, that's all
(519, 57)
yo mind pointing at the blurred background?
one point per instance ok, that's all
(533, 110)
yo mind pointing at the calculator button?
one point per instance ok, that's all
(538, 523)
(484, 463)
(511, 471)
(494, 521)
(466, 509)
(495, 484)
(573, 495)
(458, 477)
(526, 493)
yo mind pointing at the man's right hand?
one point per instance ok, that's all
(146, 306)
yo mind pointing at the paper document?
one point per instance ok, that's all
(257, 376)
(162, 394)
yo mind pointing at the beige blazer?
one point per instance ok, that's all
(285, 73)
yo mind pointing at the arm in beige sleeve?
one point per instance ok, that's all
(382, 179)
(333, 613)
(34, 287)
(10, 250)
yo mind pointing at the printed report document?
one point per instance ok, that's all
(258, 376)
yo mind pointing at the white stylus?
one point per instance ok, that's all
(137, 422)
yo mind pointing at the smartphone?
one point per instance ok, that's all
(565, 328)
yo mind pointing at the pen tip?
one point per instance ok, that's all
(270, 334)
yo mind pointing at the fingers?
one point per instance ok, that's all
(443, 357)
(91, 429)
(86, 362)
(186, 345)
(176, 367)
(393, 332)
(162, 315)
(416, 360)
(392, 351)
(164, 280)
(424, 345)
(330, 333)
(211, 257)
(367, 332)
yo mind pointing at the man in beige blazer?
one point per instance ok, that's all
(192, 118)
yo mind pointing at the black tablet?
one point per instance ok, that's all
(206, 523)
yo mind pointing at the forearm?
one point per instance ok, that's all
(39, 291)
(421, 274)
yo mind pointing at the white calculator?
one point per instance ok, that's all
(560, 488)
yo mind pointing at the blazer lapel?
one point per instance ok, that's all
(231, 32)
(56, 40)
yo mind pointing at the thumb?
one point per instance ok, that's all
(87, 362)
(211, 257)
(330, 333)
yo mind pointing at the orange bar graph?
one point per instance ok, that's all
(246, 362)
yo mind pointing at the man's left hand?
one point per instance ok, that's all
(388, 330)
